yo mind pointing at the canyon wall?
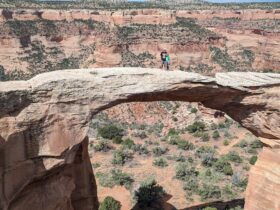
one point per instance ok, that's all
(44, 124)
(204, 41)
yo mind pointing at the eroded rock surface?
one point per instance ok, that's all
(44, 124)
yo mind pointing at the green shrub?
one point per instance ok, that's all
(210, 208)
(179, 158)
(117, 140)
(172, 132)
(194, 110)
(196, 126)
(159, 150)
(128, 143)
(243, 143)
(256, 144)
(238, 181)
(190, 160)
(173, 140)
(191, 185)
(208, 159)
(148, 193)
(110, 131)
(234, 157)
(115, 177)
(141, 135)
(185, 172)
(110, 203)
(202, 135)
(216, 134)
(95, 165)
(102, 146)
(253, 160)
(3, 75)
(208, 191)
(222, 165)
(237, 208)
(121, 156)
(204, 150)
(160, 162)
(184, 145)
(122, 179)
(226, 142)
(141, 149)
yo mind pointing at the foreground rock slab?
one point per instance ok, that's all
(44, 124)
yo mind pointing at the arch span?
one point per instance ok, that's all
(44, 124)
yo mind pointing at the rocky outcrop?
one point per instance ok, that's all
(44, 124)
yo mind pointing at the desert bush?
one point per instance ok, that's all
(237, 208)
(190, 160)
(160, 162)
(239, 181)
(216, 134)
(179, 158)
(256, 144)
(115, 177)
(117, 140)
(204, 150)
(253, 160)
(208, 159)
(242, 144)
(102, 146)
(110, 131)
(194, 110)
(148, 193)
(191, 185)
(222, 165)
(210, 208)
(185, 145)
(128, 143)
(141, 149)
(184, 171)
(233, 156)
(141, 135)
(121, 156)
(208, 191)
(159, 150)
(226, 142)
(173, 132)
(122, 179)
(109, 203)
(95, 165)
(196, 126)
(204, 136)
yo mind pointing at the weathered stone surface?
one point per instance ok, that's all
(44, 125)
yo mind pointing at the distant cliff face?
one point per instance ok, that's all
(34, 41)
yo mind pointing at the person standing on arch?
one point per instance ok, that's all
(165, 58)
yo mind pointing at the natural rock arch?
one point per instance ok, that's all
(44, 123)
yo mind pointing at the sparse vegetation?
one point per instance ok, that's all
(109, 203)
(110, 131)
(253, 160)
(148, 193)
(160, 162)
(115, 177)
(121, 156)
(102, 146)
(159, 150)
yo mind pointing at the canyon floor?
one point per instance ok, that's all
(152, 130)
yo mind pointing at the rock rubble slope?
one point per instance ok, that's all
(44, 124)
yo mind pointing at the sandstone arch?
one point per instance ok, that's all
(44, 121)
